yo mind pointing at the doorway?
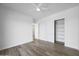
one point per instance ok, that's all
(59, 31)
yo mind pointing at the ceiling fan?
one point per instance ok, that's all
(39, 6)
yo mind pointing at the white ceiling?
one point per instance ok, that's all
(46, 8)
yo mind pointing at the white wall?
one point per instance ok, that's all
(46, 27)
(45, 30)
(15, 28)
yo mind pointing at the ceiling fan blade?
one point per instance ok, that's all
(37, 5)
(40, 4)
(43, 8)
(34, 5)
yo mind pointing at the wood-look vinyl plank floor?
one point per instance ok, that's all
(39, 48)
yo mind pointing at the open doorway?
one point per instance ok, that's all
(59, 31)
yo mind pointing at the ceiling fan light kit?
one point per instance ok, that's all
(37, 9)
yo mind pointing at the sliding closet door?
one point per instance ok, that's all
(59, 30)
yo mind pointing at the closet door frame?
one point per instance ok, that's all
(55, 31)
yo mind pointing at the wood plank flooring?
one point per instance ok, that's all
(39, 48)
